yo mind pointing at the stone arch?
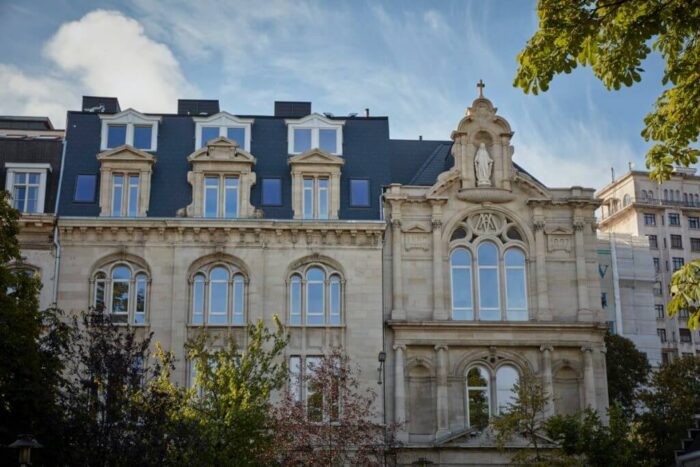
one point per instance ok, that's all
(327, 261)
(492, 359)
(567, 388)
(226, 258)
(121, 256)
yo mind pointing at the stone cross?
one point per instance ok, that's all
(481, 87)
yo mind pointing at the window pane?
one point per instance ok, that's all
(295, 378)
(116, 135)
(515, 288)
(133, 195)
(302, 140)
(209, 133)
(20, 178)
(140, 312)
(238, 300)
(198, 299)
(271, 191)
(121, 272)
(335, 300)
(478, 397)
(218, 299)
(315, 305)
(19, 197)
(33, 178)
(142, 137)
(236, 134)
(117, 193)
(323, 198)
(488, 289)
(120, 296)
(461, 257)
(85, 188)
(327, 140)
(99, 295)
(32, 194)
(488, 255)
(506, 377)
(359, 192)
(314, 394)
(231, 197)
(295, 301)
(514, 257)
(308, 198)
(462, 291)
(211, 196)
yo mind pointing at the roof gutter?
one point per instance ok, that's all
(56, 238)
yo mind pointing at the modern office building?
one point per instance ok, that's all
(30, 159)
(668, 215)
(447, 255)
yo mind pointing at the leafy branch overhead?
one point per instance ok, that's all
(614, 37)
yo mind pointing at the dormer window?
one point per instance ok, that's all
(316, 184)
(125, 182)
(223, 124)
(315, 131)
(129, 127)
(26, 183)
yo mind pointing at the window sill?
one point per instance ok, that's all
(218, 326)
(315, 326)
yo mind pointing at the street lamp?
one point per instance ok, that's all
(382, 358)
(25, 443)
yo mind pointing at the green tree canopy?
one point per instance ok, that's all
(627, 370)
(614, 37)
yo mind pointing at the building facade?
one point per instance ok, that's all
(627, 290)
(668, 215)
(30, 160)
(446, 255)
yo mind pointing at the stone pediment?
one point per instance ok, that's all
(316, 156)
(558, 230)
(221, 149)
(416, 228)
(470, 437)
(126, 153)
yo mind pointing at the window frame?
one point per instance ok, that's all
(221, 192)
(676, 219)
(103, 277)
(315, 123)
(223, 121)
(650, 219)
(262, 192)
(42, 169)
(316, 192)
(236, 277)
(330, 274)
(125, 198)
(369, 192)
(131, 119)
(94, 192)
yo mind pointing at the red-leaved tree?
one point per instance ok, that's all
(326, 418)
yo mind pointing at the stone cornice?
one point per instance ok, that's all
(223, 232)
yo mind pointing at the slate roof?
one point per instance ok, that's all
(368, 151)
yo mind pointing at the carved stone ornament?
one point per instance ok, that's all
(485, 223)
(483, 164)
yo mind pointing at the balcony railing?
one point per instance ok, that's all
(617, 207)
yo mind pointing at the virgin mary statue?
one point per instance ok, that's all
(483, 164)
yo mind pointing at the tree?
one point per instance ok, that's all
(229, 407)
(614, 37)
(525, 417)
(338, 424)
(584, 438)
(115, 404)
(627, 370)
(671, 401)
(32, 343)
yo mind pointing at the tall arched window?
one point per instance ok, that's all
(489, 290)
(506, 377)
(461, 266)
(122, 289)
(488, 270)
(316, 297)
(478, 397)
(516, 287)
(218, 296)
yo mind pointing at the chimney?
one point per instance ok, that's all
(420, 137)
(367, 113)
(197, 107)
(291, 109)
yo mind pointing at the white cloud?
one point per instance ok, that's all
(109, 54)
(22, 94)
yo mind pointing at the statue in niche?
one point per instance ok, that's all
(483, 164)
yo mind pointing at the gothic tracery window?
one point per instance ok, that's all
(218, 296)
(315, 296)
(122, 290)
(488, 270)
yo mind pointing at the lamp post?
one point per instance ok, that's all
(382, 358)
(25, 443)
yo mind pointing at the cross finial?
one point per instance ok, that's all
(481, 87)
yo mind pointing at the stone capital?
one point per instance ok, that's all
(440, 347)
(586, 348)
(401, 347)
(546, 348)
(538, 225)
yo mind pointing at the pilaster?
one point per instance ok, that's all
(443, 421)
(547, 383)
(400, 393)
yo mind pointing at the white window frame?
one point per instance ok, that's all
(315, 122)
(103, 278)
(131, 118)
(316, 190)
(126, 193)
(236, 294)
(224, 121)
(221, 190)
(38, 168)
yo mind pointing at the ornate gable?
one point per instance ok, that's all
(315, 164)
(315, 157)
(222, 149)
(125, 161)
(125, 153)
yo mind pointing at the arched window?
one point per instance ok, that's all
(626, 200)
(218, 296)
(488, 270)
(489, 290)
(315, 297)
(122, 290)
(478, 397)
(506, 377)
(516, 287)
(461, 266)
(665, 194)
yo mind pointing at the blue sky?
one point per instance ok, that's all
(415, 61)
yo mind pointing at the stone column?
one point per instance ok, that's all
(547, 384)
(588, 377)
(398, 311)
(400, 393)
(581, 280)
(443, 421)
(439, 311)
(544, 313)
